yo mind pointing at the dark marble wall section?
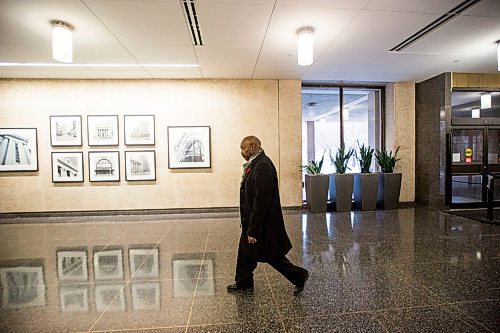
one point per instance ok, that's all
(432, 108)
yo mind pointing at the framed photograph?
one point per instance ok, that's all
(104, 166)
(74, 298)
(185, 273)
(65, 131)
(139, 130)
(72, 265)
(145, 295)
(140, 165)
(143, 263)
(18, 149)
(188, 147)
(108, 265)
(102, 130)
(67, 167)
(110, 297)
(22, 286)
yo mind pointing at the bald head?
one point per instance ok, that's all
(249, 146)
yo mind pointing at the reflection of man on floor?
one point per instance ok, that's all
(263, 235)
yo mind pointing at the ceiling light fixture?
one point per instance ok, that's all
(476, 113)
(305, 46)
(485, 101)
(62, 41)
(29, 64)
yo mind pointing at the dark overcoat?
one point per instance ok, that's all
(261, 215)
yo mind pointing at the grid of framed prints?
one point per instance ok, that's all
(18, 149)
(188, 147)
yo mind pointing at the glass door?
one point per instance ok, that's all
(475, 153)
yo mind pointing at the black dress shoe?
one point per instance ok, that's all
(234, 288)
(299, 287)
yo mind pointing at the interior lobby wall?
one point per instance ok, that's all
(400, 132)
(269, 109)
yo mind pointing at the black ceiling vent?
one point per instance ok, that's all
(440, 21)
(192, 21)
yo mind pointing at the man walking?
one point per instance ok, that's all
(263, 234)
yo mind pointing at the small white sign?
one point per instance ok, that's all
(456, 158)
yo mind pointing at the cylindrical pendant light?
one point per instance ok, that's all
(305, 46)
(62, 41)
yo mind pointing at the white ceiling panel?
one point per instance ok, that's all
(340, 4)
(226, 59)
(233, 25)
(394, 63)
(221, 74)
(414, 6)
(380, 31)
(465, 34)
(252, 38)
(490, 8)
(259, 75)
(175, 73)
(159, 23)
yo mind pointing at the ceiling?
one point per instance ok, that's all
(252, 39)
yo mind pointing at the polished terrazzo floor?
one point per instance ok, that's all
(407, 270)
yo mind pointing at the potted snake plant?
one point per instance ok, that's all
(365, 183)
(341, 184)
(389, 187)
(316, 186)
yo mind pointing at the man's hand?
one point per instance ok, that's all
(252, 240)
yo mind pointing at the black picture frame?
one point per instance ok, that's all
(189, 147)
(108, 169)
(66, 131)
(139, 130)
(67, 167)
(18, 149)
(103, 130)
(138, 165)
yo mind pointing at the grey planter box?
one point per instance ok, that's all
(389, 188)
(317, 192)
(340, 188)
(366, 190)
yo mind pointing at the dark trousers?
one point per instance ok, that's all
(245, 267)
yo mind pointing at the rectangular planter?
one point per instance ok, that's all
(389, 188)
(340, 188)
(317, 192)
(366, 190)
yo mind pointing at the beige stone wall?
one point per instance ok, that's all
(270, 109)
(400, 131)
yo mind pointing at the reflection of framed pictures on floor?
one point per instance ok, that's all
(72, 265)
(65, 131)
(188, 147)
(185, 274)
(108, 265)
(104, 166)
(18, 149)
(144, 263)
(109, 297)
(67, 167)
(74, 298)
(22, 286)
(145, 295)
